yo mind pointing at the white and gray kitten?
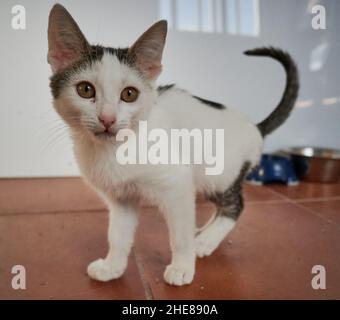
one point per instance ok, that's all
(99, 90)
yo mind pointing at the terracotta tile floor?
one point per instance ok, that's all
(55, 227)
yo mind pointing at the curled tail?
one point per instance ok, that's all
(285, 106)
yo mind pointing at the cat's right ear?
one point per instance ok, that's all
(66, 42)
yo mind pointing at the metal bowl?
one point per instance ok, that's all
(316, 164)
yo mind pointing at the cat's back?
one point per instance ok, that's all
(184, 110)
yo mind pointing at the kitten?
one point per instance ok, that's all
(98, 91)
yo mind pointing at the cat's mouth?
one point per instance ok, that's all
(106, 134)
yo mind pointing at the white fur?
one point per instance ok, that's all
(211, 236)
(171, 187)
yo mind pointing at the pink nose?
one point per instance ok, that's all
(107, 121)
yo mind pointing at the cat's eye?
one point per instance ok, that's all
(86, 90)
(129, 94)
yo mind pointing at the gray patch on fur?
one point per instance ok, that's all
(216, 105)
(230, 203)
(165, 88)
(286, 105)
(210, 103)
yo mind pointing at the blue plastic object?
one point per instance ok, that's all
(274, 168)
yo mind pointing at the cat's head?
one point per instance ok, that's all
(99, 90)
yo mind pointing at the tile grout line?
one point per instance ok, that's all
(8, 214)
(331, 198)
(147, 288)
(314, 213)
(254, 202)
(99, 209)
(336, 198)
(283, 197)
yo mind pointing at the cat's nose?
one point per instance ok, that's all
(107, 121)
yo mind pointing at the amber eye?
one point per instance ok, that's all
(129, 94)
(86, 90)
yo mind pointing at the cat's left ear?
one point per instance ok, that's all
(147, 51)
(66, 42)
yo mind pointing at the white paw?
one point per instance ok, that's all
(102, 270)
(209, 239)
(179, 275)
(205, 246)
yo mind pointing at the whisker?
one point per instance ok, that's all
(53, 142)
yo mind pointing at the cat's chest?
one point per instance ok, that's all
(99, 166)
(103, 172)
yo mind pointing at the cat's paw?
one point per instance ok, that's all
(209, 239)
(204, 245)
(179, 275)
(102, 270)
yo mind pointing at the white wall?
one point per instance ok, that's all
(33, 141)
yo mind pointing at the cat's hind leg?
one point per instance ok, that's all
(229, 206)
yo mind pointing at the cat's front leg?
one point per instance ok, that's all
(180, 218)
(122, 224)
